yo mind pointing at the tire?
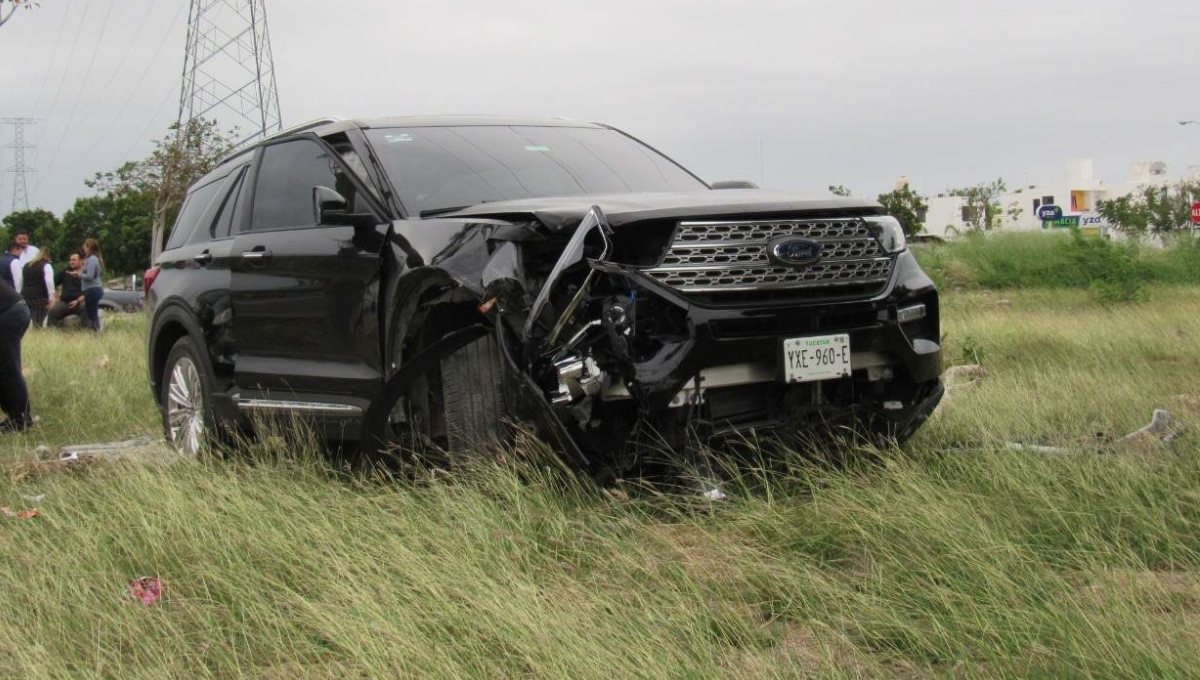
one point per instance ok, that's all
(473, 397)
(186, 388)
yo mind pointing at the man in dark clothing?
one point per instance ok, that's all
(70, 298)
(10, 265)
(14, 396)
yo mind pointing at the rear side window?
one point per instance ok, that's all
(194, 208)
(288, 174)
(223, 225)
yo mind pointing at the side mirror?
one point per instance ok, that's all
(328, 203)
(734, 184)
(332, 209)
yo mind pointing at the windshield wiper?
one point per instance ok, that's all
(442, 211)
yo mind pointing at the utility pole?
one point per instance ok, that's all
(228, 68)
(20, 169)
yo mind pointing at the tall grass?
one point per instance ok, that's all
(952, 558)
(1056, 260)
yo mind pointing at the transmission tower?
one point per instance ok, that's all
(228, 70)
(20, 170)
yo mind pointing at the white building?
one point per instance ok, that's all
(1077, 195)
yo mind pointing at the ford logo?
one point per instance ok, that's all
(796, 252)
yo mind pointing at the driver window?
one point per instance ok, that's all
(286, 178)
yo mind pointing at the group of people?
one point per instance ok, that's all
(30, 291)
(52, 297)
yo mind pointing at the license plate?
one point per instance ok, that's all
(818, 358)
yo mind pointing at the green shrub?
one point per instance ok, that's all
(1113, 271)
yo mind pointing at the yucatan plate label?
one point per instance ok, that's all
(817, 358)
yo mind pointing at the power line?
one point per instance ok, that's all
(137, 88)
(133, 40)
(153, 119)
(62, 28)
(83, 86)
(70, 58)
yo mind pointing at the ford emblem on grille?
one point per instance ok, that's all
(796, 252)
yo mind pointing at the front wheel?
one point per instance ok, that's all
(188, 421)
(473, 396)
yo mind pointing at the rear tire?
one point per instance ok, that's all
(473, 397)
(187, 388)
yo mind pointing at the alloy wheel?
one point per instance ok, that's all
(185, 407)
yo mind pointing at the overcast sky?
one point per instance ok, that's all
(853, 92)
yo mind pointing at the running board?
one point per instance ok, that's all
(296, 406)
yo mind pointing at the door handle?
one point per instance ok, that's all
(256, 254)
(203, 258)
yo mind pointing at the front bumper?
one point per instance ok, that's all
(894, 386)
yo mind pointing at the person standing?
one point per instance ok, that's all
(10, 266)
(93, 288)
(28, 253)
(69, 300)
(14, 395)
(37, 285)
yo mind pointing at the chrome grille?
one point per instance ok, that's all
(708, 257)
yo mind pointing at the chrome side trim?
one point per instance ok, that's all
(302, 406)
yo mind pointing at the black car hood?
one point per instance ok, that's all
(566, 211)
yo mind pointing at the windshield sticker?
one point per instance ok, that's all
(537, 148)
(402, 137)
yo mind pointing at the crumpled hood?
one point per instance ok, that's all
(566, 211)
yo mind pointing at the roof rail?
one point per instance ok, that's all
(241, 147)
(303, 126)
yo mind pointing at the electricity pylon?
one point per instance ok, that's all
(20, 169)
(228, 69)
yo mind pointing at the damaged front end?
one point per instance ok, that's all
(608, 359)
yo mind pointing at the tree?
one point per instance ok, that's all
(34, 221)
(9, 7)
(907, 206)
(178, 160)
(839, 190)
(1156, 210)
(119, 220)
(983, 209)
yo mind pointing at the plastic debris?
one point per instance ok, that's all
(146, 589)
(23, 514)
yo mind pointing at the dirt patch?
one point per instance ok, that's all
(1160, 592)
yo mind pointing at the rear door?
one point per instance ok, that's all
(195, 262)
(305, 294)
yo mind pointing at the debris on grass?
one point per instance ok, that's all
(74, 458)
(959, 378)
(23, 514)
(147, 589)
(1160, 433)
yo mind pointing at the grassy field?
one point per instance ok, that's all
(953, 557)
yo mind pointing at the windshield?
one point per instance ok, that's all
(437, 168)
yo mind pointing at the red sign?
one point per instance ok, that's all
(1196, 213)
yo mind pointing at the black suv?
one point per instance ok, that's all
(433, 283)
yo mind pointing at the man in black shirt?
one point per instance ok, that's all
(70, 299)
(14, 396)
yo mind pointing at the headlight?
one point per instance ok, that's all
(889, 232)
